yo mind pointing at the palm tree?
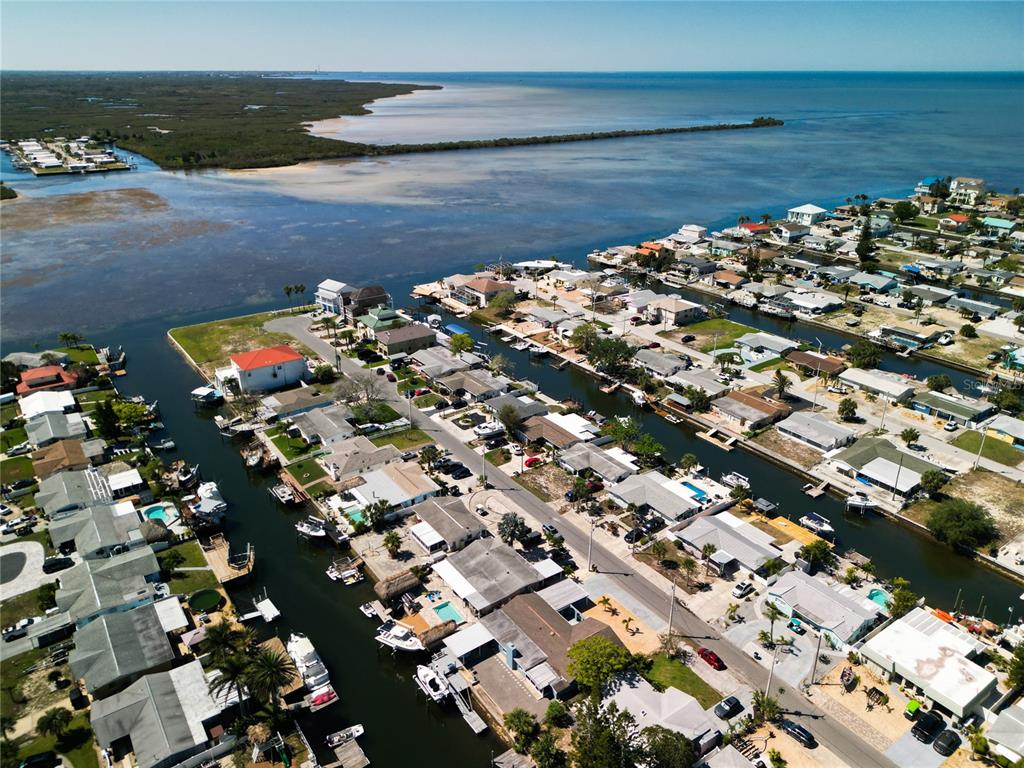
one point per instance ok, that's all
(688, 566)
(627, 622)
(732, 610)
(269, 672)
(429, 455)
(288, 291)
(659, 549)
(331, 325)
(687, 462)
(54, 722)
(606, 603)
(725, 359)
(773, 614)
(222, 640)
(909, 435)
(234, 671)
(766, 218)
(300, 291)
(781, 382)
(705, 554)
(392, 543)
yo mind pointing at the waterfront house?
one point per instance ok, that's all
(474, 385)
(832, 228)
(292, 402)
(64, 455)
(486, 574)
(691, 233)
(324, 426)
(478, 292)
(971, 307)
(816, 431)
(45, 378)
(873, 282)
(534, 640)
(637, 301)
(964, 190)
(379, 319)
(938, 661)
(357, 455)
(985, 276)
(445, 525)
(814, 363)
(694, 266)
(877, 382)
(834, 274)
(954, 222)
(542, 430)
(525, 407)
(787, 232)
(806, 214)
(701, 378)
(360, 300)
(262, 370)
(876, 461)
(654, 492)
(588, 459)
(767, 290)
(753, 229)
(164, 718)
(1008, 429)
(737, 544)
(881, 225)
(841, 616)
(25, 360)
(331, 296)
(72, 489)
(923, 335)
(931, 295)
(960, 410)
(406, 340)
(545, 316)
(47, 428)
(748, 412)
(438, 362)
(671, 310)
(98, 530)
(726, 278)
(400, 484)
(929, 204)
(121, 582)
(757, 346)
(1006, 734)
(794, 266)
(925, 185)
(115, 650)
(46, 402)
(656, 363)
(670, 709)
(814, 302)
(727, 249)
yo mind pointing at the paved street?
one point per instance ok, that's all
(854, 751)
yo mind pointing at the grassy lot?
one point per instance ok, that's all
(12, 673)
(498, 456)
(187, 582)
(670, 672)
(323, 488)
(378, 413)
(90, 400)
(404, 440)
(705, 331)
(82, 354)
(8, 412)
(427, 401)
(1000, 495)
(306, 471)
(211, 344)
(190, 550)
(771, 365)
(14, 609)
(78, 744)
(12, 437)
(410, 382)
(290, 447)
(994, 449)
(18, 468)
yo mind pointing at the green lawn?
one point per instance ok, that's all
(89, 400)
(669, 672)
(771, 365)
(427, 401)
(378, 413)
(12, 437)
(187, 582)
(317, 490)
(498, 456)
(190, 550)
(290, 447)
(8, 412)
(210, 344)
(78, 744)
(12, 671)
(14, 609)
(994, 449)
(410, 382)
(306, 471)
(18, 468)
(81, 354)
(727, 332)
(404, 440)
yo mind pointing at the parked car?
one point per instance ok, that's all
(946, 743)
(928, 726)
(912, 709)
(797, 626)
(532, 461)
(54, 564)
(14, 634)
(688, 338)
(41, 760)
(529, 537)
(728, 707)
(550, 530)
(711, 658)
(951, 426)
(634, 535)
(6, 510)
(652, 525)
(742, 589)
(461, 473)
(458, 403)
(18, 485)
(421, 391)
(19, 449)
(798, 732)
(495, 442)
(441, 404)
(447, 466)
(516, 448)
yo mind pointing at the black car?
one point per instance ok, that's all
(18, 485)
(441, 404)
(449, 466)
(496, 442)
(798, 732)
(461, 473)
(726, 708)
(652, 524)
(41, 760)
(458, 403)
(54, 564)
(634, 535)
(946, 743)
(927, 727)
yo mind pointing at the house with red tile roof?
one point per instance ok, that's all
(269, 368)
(47, 377)
(954, 222)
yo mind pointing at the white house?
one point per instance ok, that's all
(265, 369)
(842, 616)
(807, 214)
(331, 296)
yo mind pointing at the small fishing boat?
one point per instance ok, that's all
(311, 527)
(522, 345)
(322, 697)
(367, 610)
(398, 637)
(538, 351)
(207, 396)
(253, 457)
(860, 501)
(283, 493)
(351, 576)
(431, 683)
(187, 476)
(734, 479)
(163, 445)
(344, 736)
(208, 503)
(639, 399)
(812, 521)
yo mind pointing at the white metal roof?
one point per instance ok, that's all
(454, 579)
(891, 474)
(467, 639)
(426, 535)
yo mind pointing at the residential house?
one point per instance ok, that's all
(925, 185)
(1008, 429)
(445, 525)
(841, 616)
(793, 266)
(45, 378)
(727, 249)
(787, 232)
(654, 492)
(700, 378)
(967, 191)
(379, 319)
(479, 291)
(940, 663)
(406, 340)
(100, 586)
(545, 316)
(438, 362)
(60, 456)
(816, 431)
(1006, 733)
(25, 360)
(671, 709)
(163, 718)
(671, 310)
(725, 278)
(923, 335)
(331, 296)
(960, 410)
(486, 574)
(266, 369)
(47, 428)
(691, 233)
(833, 228)
(324, 426)
(764, 346)
(835, 274)
(737, 544)
(954, 222)
(814, 302)
(475, 385)
(46, 402)
(748, 412)
(881, 225)
(98, 530)
(587, 459)
(656, 363)
(931, 295)
(72, 489)
(929, 204)
(873, 282)
(876, 461)
(357, 455)
(971, 307)
(362, 299)
(525, 407)
(882, 383)
(637, 301)
(534, 639)
(401, 485)
(754, 229)
(806, 215)
(544, 431)
(694, 266)
(813, 363)
(292, 402)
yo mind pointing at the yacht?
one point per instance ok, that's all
(344, 736)
(307, 662)
(431, 683)
(208, 503)
(812, 521)
(311, 527)
(187, 476)
(860, 501)
(283, 493)
(398, 637)
(734, 479)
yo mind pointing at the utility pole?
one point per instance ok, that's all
(590, 547)
(672, 607)
(885, 406)
(896, 484)
(771, 671)
(977, 459)
(817, 651)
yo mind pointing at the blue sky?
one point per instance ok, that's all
(517, 36)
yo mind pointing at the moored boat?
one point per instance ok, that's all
(283, 493)
(307, 662)
(734, 479)
(398, 637)
(311, 527)
(344, 736)
(860, 501)
(207, 396)
(431, 683)
(812, 521)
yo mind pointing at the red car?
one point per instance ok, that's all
(421, 391)
(711, 658)
(533, 461)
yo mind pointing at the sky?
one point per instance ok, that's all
(512, 36)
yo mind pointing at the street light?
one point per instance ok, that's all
(590, 546)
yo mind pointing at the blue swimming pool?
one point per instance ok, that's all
(446, 612)
(156, 512)
(879, 596)
(698, 493)
(357, 516)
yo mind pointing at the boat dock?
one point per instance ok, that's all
(817, 490)
(263, 608)
(723, 441)
(447, 668)
(226, 567)
(277, 645)
(349, 755)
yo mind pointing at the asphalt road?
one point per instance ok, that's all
(837, 738)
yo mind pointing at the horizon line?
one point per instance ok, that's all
(12, 70)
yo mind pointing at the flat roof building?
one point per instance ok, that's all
(815, 431)
(888, 385)
(737, 544)
(960, 410)
(445, 524)
(842, 617)
(486, 574)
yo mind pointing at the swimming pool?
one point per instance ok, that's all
(357, 516)
(156, 512)
(879, 596)
(446, 612)
(698, 493)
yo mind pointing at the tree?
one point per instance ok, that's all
(647, 450)
(781, 383)
(739, 492)
(818, 554)
(1015, 670)
(773, 613)
(288, 291)
(604, 737)
(766, 708)
(847, 409)
(864, 246)
(584, 336)
(54, 722)
(171, 562)
(909, 436)
(234, 671)
(130, 414)
(9, 376)
(939, 382)
(726, 359)
(511, 528)
(968, 331)
(689, 567)
(962, 524)
(392, 543)
(668, 749)
(903, 600)
(499, 363)
(502, 302)
(700, 401)
(610, 355)
(625, 432)
(593, 662)
(105, 419)
(546, 753)
(70, 339)
(905, 210)
(933, 481)
(557, 715)
(864, 354)
(459, 343)
(659, 549)
(776, 759)
(687, 462)
(428, 455)
(376, 514)
(732, 610)
(707, 551)
(269, 672)
(510, 419)
(523, 726)
(323, 374)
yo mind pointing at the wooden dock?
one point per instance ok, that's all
(713, 436)
(351, 755)
(225, 567)
(817, 490)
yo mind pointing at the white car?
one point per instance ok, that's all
(19, 449)
(516, 448)
(488, 429)
(742, 589)
(951, 426)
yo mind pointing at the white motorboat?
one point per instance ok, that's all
(163, 445)
(367, 610)
(333, 573)
(351, 576)
(860, 501)
(283, 493)
(522, 345)
(187, 476)
(345, 735)
(398, 637)
(812, 521)
(307, 662)
(253, 456)
(311, 527)
(431, 683)
(734, 479)
(208, 502)
(639, 398)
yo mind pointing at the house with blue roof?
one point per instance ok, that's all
(924, 186)
(995, 226)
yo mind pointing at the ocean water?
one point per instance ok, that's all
(209, 241)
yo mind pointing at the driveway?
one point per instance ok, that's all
(21, 568)
(909, 751)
